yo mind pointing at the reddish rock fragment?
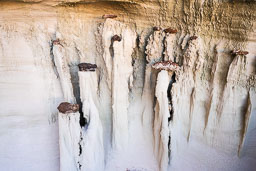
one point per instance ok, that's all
(109, 16)
(87, 67)
(66, 108)
(239, 52)
(170, 30)
(166, 65)
(116, 38)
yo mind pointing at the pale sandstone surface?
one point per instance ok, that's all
(210, 98)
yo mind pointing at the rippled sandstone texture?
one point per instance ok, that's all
(200, 117)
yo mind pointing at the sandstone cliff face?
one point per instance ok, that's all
(142, 112)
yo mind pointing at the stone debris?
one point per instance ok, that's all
(66, 108)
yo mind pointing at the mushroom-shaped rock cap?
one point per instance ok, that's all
(56, 42)
(116, 38)
(109, 16)
(66, 108)
(239, 52)
(170, 30)
(87, 67)
(193, 38)
(166, 65)
(157, 28)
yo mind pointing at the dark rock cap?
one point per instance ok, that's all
(109, 16)
(193, 38)
(170, 30)
(157, 28)
(239, 52)
(56, 42)
(116, 38)
(66, 108)
(87, 67)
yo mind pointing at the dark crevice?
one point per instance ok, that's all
(80, 146)
(182, 52)
(80, 149)
(164, 49)
(142, 53)
(76, 91)
(111, 50)
(83, 120)
(170, 118)
(52, 59)
(169, 96)
(246, 112)
(75, 82)
(134, 64)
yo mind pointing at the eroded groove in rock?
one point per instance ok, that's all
(247, 114)
(169, 95)
(191, 110)
(63, 72)
(155, 47)
(154, 52)
(169, 42)
(186, 77)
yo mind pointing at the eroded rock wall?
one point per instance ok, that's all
(196, 113)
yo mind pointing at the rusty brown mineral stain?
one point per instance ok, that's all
(66, 108)
(87, 67)
(116, 38)
(109, 16)
(170, 30)
(239, 52)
